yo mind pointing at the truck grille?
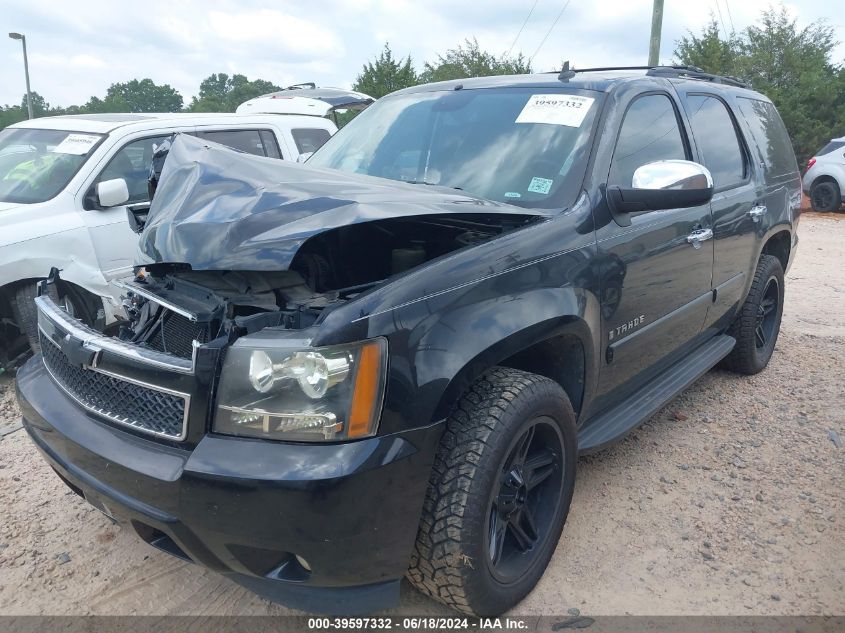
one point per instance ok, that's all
(118, 399)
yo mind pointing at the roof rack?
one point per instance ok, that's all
(307, 84)
(679, 72)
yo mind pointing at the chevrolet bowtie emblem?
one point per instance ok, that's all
(78, 352)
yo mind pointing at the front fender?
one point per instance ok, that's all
(452, 318)
(67, 251)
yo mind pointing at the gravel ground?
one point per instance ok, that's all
(727, 502)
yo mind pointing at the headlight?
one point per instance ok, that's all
(315, 394)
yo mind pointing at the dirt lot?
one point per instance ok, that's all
(729, 501)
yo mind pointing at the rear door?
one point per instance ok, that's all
(736, 213)
(654, 307)
(779, 181)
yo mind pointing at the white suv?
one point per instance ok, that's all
(66, 184)
(824, 180)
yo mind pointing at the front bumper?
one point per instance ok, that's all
(248, 508)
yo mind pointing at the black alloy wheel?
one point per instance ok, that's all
(767, 314)
(523, 506)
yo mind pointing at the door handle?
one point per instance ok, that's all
(758, 212)
(697, 237)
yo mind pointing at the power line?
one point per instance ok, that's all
(730, 17)
(549, 32)
(719, 9)
(528, 17)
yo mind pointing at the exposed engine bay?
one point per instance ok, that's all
(169, 306)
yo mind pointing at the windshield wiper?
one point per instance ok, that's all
(430, 184)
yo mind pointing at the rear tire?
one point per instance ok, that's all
(77, 303)
(825, 196)
(757, 325)
(498, 494)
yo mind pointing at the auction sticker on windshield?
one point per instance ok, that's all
(77, 144)
(558, 109)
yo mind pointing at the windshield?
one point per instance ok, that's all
(35, 165)
(523, 146)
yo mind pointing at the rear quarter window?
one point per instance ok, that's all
(309, 139)
(770, 138)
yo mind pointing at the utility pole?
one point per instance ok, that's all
(656, 27)
(22, 38)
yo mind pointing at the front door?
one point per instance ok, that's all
(656, 306)
(114, 242)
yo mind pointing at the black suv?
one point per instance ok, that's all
(385, 362)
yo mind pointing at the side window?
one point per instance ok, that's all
(770, 137)
(248, 141)
(271, 145)
(649, 132)
(715, 134)
(831, 147)
(132, 163)
(310, 139)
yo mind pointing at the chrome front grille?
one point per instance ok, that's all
(117, 399)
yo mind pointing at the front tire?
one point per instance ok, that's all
(75, 302)
(825, 196)
(757, 325)
(498, 495)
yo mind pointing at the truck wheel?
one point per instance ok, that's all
(825, 196)
(757, 325)
(498, 495)
(75, 303)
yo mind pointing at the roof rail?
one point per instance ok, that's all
(680, 72)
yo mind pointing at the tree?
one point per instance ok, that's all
(15, 114)
(137, 96)
(789, 64)
(221, 93)
(468, 60)
(385, 75)
(709, 51)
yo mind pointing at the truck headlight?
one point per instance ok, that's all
(314, 394)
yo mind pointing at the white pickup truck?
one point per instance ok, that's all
(67, 182)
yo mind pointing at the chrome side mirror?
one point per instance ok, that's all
(673, 175)
(663, 184)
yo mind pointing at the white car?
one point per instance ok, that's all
(824, 180)
(66, 184)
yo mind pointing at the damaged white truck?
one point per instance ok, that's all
(67, 182)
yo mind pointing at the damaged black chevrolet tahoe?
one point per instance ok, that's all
(385, 362)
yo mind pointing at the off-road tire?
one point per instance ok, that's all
(825, 196)
(746, 358)
(449, 562)
(26, 314)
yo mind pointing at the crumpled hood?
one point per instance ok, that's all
(218, 209)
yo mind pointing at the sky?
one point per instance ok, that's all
(78, 48)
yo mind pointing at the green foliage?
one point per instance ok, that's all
(15, 114)
(789, 64)
(137, 96)
(221, 93)
(468, 60)
(385, 75)
(709, 51)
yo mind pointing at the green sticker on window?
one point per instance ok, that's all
(540, 185)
